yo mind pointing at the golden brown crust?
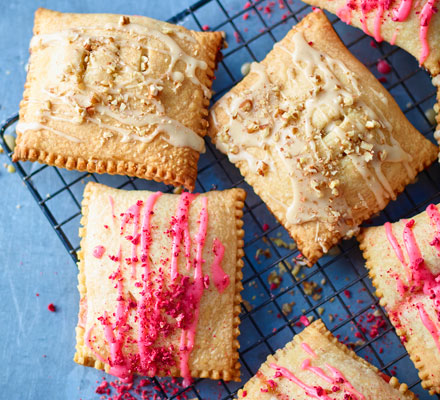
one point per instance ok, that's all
(386, 271)
(272, 186)
(183, 101)
(361, 374)
(205, 361)
(407, 36)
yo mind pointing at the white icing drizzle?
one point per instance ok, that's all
(304, 135)
(178, 134)
(69, 64)
(175, 51)
(36, 126)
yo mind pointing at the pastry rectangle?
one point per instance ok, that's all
(318, 137)
(315, 365)
(160, 282)
(412, 25)
(117, 94)
(403, 261)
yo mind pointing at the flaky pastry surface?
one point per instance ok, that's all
(405, 34)
(318, 137)
(401, 292)
(354, 374)
(118, 94)
(215, 351)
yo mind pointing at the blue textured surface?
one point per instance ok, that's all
(37, 346)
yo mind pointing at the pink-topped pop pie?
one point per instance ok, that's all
(414, 25)
(404, 261)
(163, 297)
(314, 365)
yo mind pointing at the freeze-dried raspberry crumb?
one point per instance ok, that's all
(383, 67)
(205, 27)
(51, 307)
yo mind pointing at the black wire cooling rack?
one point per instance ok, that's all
(277, 288)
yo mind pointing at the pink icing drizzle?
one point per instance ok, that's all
(306, 365)
(315, 392)
(402, 13)
(340, 378)
(378, 22)
(98, 251)
(146, 241)
(181, 301)
(434, 217)
(308, 349)
(426, 14)
(118, 364)
(112, 205)
(394, 243)
(429, 325)
(187, 337)
(89, 344)
(394, 37)
(420, 276)
(133, 213)
(344, 13)
(220, 277)
(180, 230)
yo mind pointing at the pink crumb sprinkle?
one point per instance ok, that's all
(101, 389)
(347, 294)
(245, 16)
(373, 44)
(98, 251)
(304, 320)
(383, 67)
(37, 294)
(382, 79)
(205, 27)
(51, 307)
(244, 393)
(265, 227)
(237, 37)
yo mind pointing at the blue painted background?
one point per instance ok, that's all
(37, 346)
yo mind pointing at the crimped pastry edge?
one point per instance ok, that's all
(234, 372)
(187, 179)
(319, 326)
(313, 251)
(423, 369)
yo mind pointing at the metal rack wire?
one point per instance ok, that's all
(337, 288)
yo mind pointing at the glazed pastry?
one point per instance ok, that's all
(160, 282)
(314, 365)
(403, 261)
(117, 94)
(318, 137)
(412, 25)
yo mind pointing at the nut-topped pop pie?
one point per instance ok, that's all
(117, 94)
(318, 137)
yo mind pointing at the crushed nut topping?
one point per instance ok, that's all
(124, 20)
